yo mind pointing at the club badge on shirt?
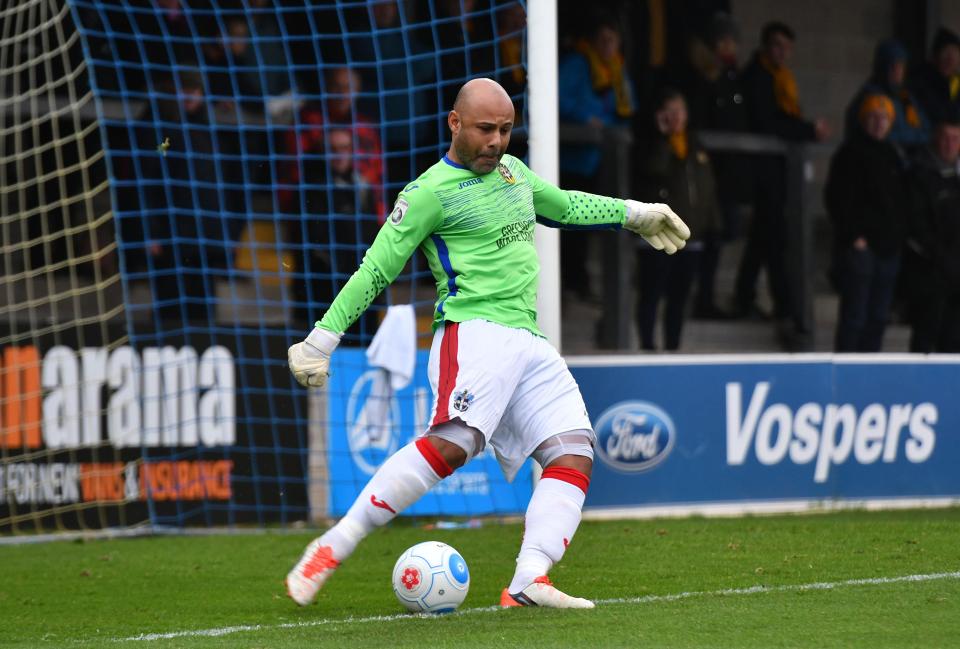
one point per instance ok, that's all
(505, 173)
(399, 209)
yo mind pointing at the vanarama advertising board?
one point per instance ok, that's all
(771, 432)
(95, 436)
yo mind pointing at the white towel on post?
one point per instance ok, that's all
(394, 346)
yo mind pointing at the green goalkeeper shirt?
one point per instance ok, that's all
(477, 235)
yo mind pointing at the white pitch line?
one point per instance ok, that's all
(647, 599)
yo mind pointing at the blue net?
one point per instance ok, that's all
(253, 149)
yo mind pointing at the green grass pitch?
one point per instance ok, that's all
(852, 579)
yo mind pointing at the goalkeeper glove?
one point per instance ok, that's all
(657, 223)
(310, 360)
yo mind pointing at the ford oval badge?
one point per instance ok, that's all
(634, 436)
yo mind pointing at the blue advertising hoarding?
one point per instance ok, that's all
(813, 428)
(364, 429)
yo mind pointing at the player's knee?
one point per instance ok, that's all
(454, 456)
(572, 449)
(579, 463)
(456, 442)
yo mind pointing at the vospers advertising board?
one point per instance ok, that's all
(760, 429)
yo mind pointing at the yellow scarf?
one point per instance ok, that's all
(954, 86)
(910, 113)
(607, 74)
(678, 144)
(784, 87)
(510, 58)
(658, 32)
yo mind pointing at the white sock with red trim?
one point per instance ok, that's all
(551, 521)
(398, 483)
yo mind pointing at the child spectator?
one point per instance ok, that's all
(676, 170)
(910, 128)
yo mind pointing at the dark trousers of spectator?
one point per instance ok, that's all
(705, 304)
(574, 245)
(867, 282)
(935, 322)
(667, 277)
(765, 248)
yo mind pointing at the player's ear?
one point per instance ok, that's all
(453, 121)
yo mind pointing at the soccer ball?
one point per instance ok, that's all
(431, 577)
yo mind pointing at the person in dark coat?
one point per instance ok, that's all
(868, 201)
(773, 107)
(190, 222)
(717, 103)
(932, 255)
(936, 83)
(341, 223)
(677, 170)
(596, 90)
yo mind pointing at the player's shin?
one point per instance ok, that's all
(398, 483)
(552, 518)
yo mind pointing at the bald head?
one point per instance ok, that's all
(480, 124)
(481, 93)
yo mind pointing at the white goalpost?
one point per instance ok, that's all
(544, 150)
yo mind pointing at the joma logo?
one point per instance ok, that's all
(467, 183)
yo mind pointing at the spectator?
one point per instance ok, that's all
(167, 35)
(773, 108)
(595, 90)
(305, 142)
(277, 79)
(188, 221)
(932, 255)
(464, 32)
(261, 69)
(511, 35)
(511, 21)
(868, 201)
(676, 170)
(910, 129)
(342, 225)
(394, 65)
(937, 82)
(717, 103)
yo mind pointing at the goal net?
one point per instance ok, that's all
(186, 185)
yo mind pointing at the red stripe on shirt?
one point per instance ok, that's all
(448, 372)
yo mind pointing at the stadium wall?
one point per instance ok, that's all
(741, 434)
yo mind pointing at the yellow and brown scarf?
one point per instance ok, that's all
(606, 74)
(784, 86)
(510, 57)
(679, 145)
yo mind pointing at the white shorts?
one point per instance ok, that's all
(507, 383)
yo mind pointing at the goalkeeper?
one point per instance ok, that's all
(496, 379)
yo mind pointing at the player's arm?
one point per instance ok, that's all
(415, 215)
(572, 210)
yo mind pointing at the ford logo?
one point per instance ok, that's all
(634, 436)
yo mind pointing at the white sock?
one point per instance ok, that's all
(398, 483)
(551, 521)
